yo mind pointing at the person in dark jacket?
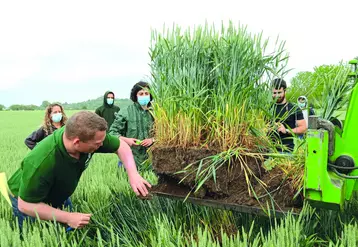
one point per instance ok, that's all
(55, 118)
(288, 117)
(307, 110)
(135, 124)
(108, 109)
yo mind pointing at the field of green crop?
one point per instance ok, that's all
(121, 219)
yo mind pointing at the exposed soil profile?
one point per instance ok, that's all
(231, 182)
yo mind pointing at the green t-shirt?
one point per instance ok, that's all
(49, 174)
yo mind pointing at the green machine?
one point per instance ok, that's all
(331, 168)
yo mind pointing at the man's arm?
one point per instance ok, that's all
(130, 141)
(301, 125)
(300, 129)
(113, 144)
(137, 183)
(46, 212)
(35, 185)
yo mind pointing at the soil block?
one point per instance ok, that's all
(231, 184)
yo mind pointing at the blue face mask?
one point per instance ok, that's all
(57, 117)
(143, 100)
(110, 101)
(302, 105)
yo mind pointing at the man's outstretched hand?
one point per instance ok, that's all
(139, 184)
(78, 220)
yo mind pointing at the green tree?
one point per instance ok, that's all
(316, 85)
(17, 107)
(2, 107)
(301, 84)
(30, 107)
(45, 103)
(334, 89)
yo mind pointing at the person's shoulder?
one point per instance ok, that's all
(51, 142)
(129, 108)
(40, 132)
(291, 105)
(111, 144)
(43, 154)
(100, 108)
(132, 104)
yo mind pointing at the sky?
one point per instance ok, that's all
(72, 51)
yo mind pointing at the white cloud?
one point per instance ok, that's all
(79, 42)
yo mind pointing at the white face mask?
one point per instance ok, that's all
(57, 117)
(143, 100)
(110, 101)
(302, 105)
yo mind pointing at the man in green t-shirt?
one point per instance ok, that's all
(50, 173)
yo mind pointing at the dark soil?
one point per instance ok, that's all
(231, 181)
(280, 189)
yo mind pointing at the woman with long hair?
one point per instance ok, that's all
(55, 118)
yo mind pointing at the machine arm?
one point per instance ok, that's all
(332, 157)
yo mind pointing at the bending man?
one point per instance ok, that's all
(50, 173)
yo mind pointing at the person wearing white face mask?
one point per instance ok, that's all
(55, 118)
(108, 110)
(302, 102)
(134, 124)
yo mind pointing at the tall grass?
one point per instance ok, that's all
(335, 95)
(211, 86)
(212, 90)
(121, 219)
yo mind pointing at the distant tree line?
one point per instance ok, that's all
(85, 105)
(23, 107)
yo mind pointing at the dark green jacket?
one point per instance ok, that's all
(134, 122)
(107, 111)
